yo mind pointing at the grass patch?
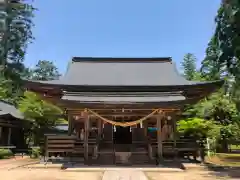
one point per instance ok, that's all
(5, 154)
(234, 147)
(225, 159)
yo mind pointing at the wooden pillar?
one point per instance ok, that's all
(46, 150)
(145, 126)
(174, 127)
(86, 133)
(159, 137)
(113, 147)
(9, 136)
(1, 135)
(99, 127)
(70, 124)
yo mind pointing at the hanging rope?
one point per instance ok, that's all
(123, 124)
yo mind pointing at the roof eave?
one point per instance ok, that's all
(161, 88)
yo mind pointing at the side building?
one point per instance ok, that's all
(12, 127)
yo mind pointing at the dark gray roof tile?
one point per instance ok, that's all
(6, 108)
(122, 73)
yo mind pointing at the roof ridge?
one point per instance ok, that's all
(6, 102)
(122, 59)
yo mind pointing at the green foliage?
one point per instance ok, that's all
(35, 152)
(211, 69)
(195, 127)
(4, 88)
(189, 66)
(8, 92)
(234, 92)
(218, 107)
(42, 113)
(222, 113)
(16, 37)
(5, 153)
(44, 71)
(230, 132)
(227, 34)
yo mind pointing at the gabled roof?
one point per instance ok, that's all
(9, 109)
(122, 72)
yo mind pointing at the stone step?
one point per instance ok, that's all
(140, 159)
(105, 159)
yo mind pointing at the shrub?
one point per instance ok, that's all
(5, 153)
(35, 152)
(195, 127)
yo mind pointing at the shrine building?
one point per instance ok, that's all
(121, 110)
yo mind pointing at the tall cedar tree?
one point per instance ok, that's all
(228, 35)
(189, 66)
(16, 37)
(45, 71)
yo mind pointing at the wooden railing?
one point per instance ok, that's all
(68, 145)
(59, 144)
(182, 147)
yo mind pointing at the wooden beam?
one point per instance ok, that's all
(123, 111)
(116, 115)
(142, 105)
(126, 109)
(133, 114)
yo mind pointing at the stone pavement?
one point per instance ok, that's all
(128, 174)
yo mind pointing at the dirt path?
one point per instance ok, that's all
(7, 164)
(54, 174)
(189, 175)
(48, 174)
(9, 171)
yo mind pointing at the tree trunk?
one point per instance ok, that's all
(223, 146)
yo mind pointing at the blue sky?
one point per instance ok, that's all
(120, 28)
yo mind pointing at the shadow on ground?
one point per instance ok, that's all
(221, 171)
(164, 164)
